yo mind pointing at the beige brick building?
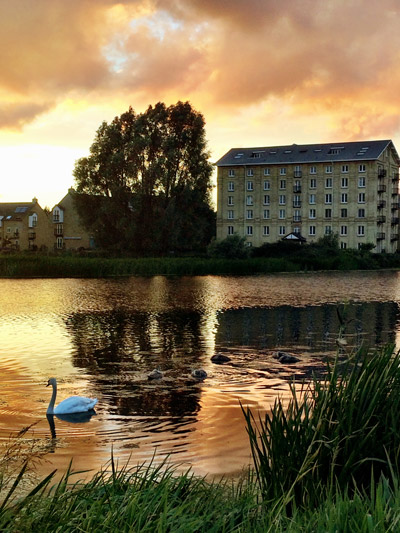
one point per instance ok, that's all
(68, 231)
(24, 226)
(350, 189)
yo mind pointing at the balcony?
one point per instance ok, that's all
(395, 191)
(394, 221)
(381, 204)
(395, 206)
(296, 188)
(297, 204)
(394, 237)
(395, 177)
(297, 218)
(58, 232)
(380, 236)
(297, 173)
(381, 220)
(381, 173)
(381, 188)
(32, 235)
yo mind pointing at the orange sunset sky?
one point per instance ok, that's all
(262, 72)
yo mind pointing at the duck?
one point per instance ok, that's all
(73, 404)
(155, 374)
(199, 373)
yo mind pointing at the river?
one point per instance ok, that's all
(101, 338)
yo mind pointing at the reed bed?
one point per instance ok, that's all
(340, 432)
(75, 266)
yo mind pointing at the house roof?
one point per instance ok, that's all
(14, 210)
(307, 153)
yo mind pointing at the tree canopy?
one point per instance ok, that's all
(145, 187)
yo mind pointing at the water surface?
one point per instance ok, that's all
(101, 338)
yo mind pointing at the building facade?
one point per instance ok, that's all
(68, 231)
(350, 189)
(24, 226)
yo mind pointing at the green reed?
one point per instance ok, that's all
(334, 433)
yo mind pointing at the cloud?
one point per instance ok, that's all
(15, 116)
(335, 57)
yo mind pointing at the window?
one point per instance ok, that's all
(328, 213)
(343, 230)
(282, 184)
(328, 198)
(361, 168)
(267, 185)
(343, 213)
(56, 215)
(344, 183)
(231, 173)
(360, 231)
(282, 199)
(361, 198)
(250, 172)
(328, 183)
(328, 230)
(230, 200)
(343, 198)
(231, 186)
(282, 213)
(250, 186)
(311, 199)
(361, 181)
(266, 199)
(361, 213)
(296, 230)
(230, 230)
(282, 171)
(343, 245)
(33, 220)
(249, 213)
(345, 168)
(311, 230)
(249, 200)
(328, 169)
(266, 213)
(313, 183)
(296, 200)
(296, 215)
(231, 214)
(60, 243)
(313, 170)
(312, 213)
(267, 171)
(265, 230)
(249, 230)
(282, 230)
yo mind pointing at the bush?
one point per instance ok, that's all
(233, 247)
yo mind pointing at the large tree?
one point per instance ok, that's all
(145, 186)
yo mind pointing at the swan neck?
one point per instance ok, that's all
(50, 409)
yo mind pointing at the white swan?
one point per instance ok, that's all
(73, 404)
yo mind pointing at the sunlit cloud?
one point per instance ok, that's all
(271, 71)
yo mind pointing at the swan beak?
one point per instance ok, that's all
(48, 383)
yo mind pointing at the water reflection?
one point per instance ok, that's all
(101, 338)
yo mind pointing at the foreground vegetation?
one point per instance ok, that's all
(326, 462)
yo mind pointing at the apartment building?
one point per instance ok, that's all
(24, 226)
(68, 231)
(308, 191)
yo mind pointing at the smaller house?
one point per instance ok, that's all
(24, 226)
(68, 231)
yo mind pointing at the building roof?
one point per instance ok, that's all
(15, 210)
(307, 153)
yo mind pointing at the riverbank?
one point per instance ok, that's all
(71, 266)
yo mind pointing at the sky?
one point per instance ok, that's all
(262, 72)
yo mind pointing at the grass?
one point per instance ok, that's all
(73, 266)
(326, 462)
